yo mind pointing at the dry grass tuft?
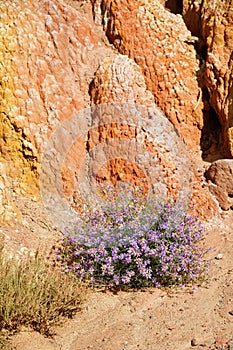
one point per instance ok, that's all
(35, 294)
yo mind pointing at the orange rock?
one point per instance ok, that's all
(57, 62)
(158, 45)
(212, 22)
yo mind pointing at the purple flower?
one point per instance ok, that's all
(134, 241)
(125, 279)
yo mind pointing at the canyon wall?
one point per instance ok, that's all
(61, 60)
(159, 42)
(212, 23)
(47, 64)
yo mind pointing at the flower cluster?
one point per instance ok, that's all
(135, 242)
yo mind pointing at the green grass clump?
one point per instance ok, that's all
(35, 294)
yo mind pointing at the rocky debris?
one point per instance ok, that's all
(212, 22)
(219, 256)
(220, 176)
(221, 341)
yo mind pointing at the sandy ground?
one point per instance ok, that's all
(151, 319)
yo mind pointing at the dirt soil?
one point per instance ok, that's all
(151, 319)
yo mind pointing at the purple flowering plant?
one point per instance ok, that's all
(135, 241)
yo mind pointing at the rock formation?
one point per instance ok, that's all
(161, 45)
(212, 23)
(220, 176)
(49, 53)
(58, 62)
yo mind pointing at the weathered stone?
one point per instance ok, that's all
(212, 22)
(130, 87)
(49, 53)
(117, 81)
(159, 46)
(220, 173)
(120, 80)
(57, 62)
(48, 65)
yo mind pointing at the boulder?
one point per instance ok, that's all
(220, 177)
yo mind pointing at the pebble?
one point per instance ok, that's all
(219, 256)
(194, 342)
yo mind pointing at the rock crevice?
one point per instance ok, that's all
(212, 22)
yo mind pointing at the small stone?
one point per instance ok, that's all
(194, 342)
(219, 256)
(231, 312)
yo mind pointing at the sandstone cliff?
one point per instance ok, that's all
(158, 41)
(212, 23)
(60, 59)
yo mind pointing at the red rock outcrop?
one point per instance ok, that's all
(212, 22)
(123, 143)
(57, 62)
(120, 81)
(47, 49)
(49, 53)
(158, 41)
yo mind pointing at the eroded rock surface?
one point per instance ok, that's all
(48, 65)
(220, 173)
(49, 53)
(212, 22)
(57, 61)
(158, 41)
